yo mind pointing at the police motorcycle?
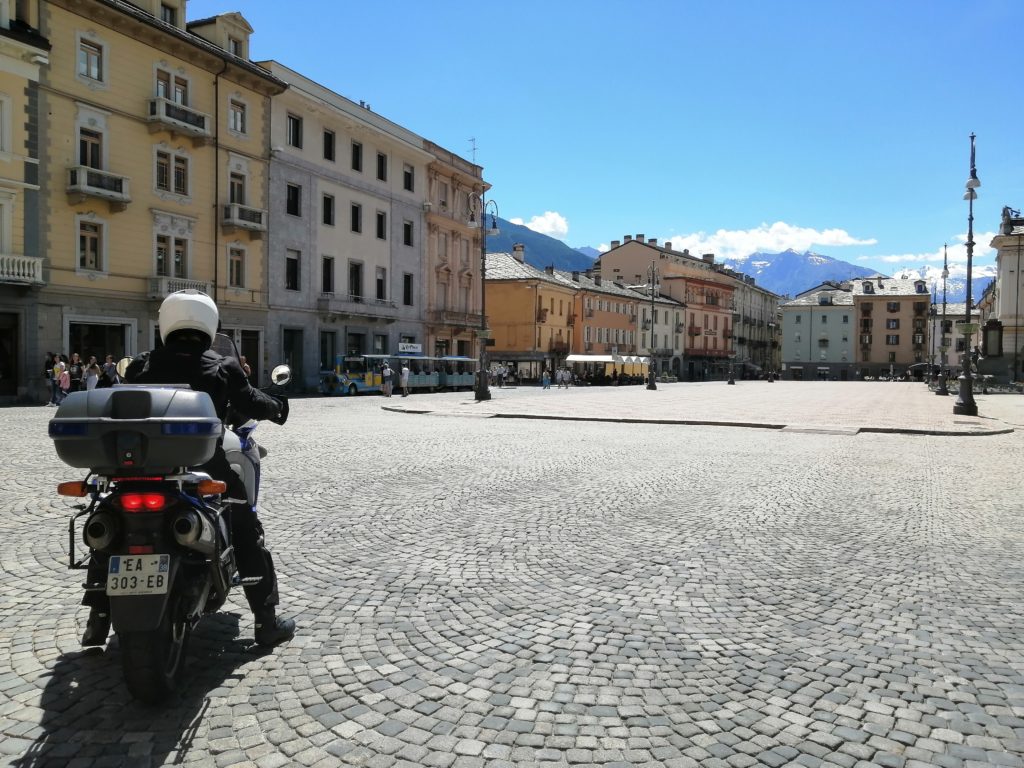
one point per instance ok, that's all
(158, 529)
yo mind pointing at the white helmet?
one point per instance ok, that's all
(188, 310)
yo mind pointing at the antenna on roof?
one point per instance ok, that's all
(472, 143)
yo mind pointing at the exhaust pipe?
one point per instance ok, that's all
(195, 532)
(100, 531)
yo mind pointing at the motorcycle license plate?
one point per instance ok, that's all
(138, 574)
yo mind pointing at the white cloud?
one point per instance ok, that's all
(549, 223)
(957, 255)
(740, 243)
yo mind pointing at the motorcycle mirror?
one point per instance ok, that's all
(281, 375)
(122, 366)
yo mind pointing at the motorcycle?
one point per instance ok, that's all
(158, 531)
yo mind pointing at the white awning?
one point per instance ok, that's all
(621, 359)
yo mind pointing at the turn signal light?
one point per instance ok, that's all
(142, 502)
(211, 487)
(74, 488)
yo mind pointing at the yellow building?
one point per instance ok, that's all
(530, 314)
(24, 53)
(154, 157)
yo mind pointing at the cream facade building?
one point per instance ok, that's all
(153, 173)
(892, 317)
(24, 54)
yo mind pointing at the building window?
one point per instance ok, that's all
(292, 265)
(180, 175)
(163, 171)
(407, 232)
(90, 60)
(357, 156)
(407, 289)
(90, 148)
(172, 173)
(329, 145)
(327, 208)
(90, 246)
(892, 324)
(382, 284)
(893, 306)
(356, 217)
(168, 14)
(236, 189)
(171, 257)
(327, 274)
(382, 225)
(796, 319)
(355, 281)
(408, 178)
(442, 195)
(892, 339)
(171, 87)
(236, 47)
(382, 166)
(236, 268)
(846, 319)
(236, 116)
(824, 319)
(293, 200)
(294, 131)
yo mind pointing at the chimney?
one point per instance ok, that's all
(550, 269)
(589, 273)
(640, 238)
(615, 243)
(709, 258)
(668, 245)
(597, 280)
(517, 252)
(575, 276)
(652, 241)
(627, 238)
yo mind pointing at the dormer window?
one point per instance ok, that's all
(236, 47)
(921, 287)
(869, 288)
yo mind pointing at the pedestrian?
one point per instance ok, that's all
(65, 383)
(76, 371)
(545, 379)
(92, 373)
(405, 379)
(109, 376)
(246, 368)
(385, 380)
(55, 369)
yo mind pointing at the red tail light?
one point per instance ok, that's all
(142, 502)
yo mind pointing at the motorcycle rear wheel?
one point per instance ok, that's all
(153, 660)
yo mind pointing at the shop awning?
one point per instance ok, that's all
(623, 359)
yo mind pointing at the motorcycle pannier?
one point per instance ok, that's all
(128, 429)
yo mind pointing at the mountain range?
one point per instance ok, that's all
(787, 273)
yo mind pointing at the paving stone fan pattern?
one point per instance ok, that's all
(483, 593)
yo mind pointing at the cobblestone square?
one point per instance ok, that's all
(488, 592)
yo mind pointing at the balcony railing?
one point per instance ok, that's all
(92, 182)
(542, 315)
(164, 113)
(22, 270)
(354, 305)
(161, 286)
(663, 352)
(559, 347)
(451, 317)
(244, 217)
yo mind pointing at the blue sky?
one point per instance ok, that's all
(730, 127)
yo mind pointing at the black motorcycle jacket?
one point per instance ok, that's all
(204, 370)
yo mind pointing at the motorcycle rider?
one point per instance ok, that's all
(188, 323)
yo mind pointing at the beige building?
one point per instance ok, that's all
(892, 317)
(24, 54)
(153, 173)
(451, 271)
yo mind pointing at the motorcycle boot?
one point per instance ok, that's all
(96, 628)
(271, 629)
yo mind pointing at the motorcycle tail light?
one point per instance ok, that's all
(140, 549)
(142, 502)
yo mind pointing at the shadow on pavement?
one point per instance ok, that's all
(88, 712)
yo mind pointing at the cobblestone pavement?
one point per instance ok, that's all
(481, 593)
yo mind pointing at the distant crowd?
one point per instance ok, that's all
(72, 374)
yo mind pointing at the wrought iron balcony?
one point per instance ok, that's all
(21, 270)
(169, 115)
(161, 286)
(355, 305)
(84, 182)
(244, 217)
(452, 317)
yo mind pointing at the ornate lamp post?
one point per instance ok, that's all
(965, 405)
(943, 344)
(483, 391)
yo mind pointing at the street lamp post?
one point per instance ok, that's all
(651, 374)
(932, 378)
(965, 405)
(483, 391)
(943, 344)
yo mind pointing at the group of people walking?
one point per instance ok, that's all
(72, 374)
(387, 379)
